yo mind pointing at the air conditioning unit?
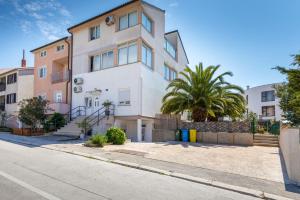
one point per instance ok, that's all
(78, 81)
(110, 20)
(77, 89)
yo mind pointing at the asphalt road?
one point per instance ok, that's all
(37, 173)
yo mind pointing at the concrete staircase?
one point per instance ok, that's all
(266, 140)
(71, 129)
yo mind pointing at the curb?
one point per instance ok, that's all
(238, 189)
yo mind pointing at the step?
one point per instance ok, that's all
(270, 139)
(269, 136)
(66, 133)
(266, 144)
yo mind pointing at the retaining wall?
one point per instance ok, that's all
(290, 147)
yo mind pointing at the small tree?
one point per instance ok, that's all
(33, 112)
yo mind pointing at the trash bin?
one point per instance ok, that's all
(193, 135)
(185, 135)
(177, 135)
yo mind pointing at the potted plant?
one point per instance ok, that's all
(107, 104)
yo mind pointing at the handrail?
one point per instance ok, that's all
(98, 115)
(76, 110)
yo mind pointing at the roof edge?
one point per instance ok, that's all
(48, 44)
(176, 31)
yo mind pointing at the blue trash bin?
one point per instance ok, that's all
(185, 135)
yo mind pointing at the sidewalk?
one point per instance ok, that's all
(137, 160)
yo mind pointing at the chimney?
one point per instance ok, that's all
(248, 87)
(23, 62)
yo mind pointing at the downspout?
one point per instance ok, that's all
(70, 68)
(67, 88)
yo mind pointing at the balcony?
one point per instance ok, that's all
(62, 108)
(60, 76)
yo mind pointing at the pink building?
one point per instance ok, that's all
(51, 74)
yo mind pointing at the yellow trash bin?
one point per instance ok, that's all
(193, 135)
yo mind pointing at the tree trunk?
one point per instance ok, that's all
(199, 115)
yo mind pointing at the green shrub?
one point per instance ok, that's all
(116, 135)
(55, 122)
(261, 130)
(97, 140)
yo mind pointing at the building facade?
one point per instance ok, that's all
(16, 84)
(52, 74)
(125, 56)
(263, 101)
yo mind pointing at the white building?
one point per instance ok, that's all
(16, 84)
(124, 55)
(263, 101)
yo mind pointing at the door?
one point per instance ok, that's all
(92, 104)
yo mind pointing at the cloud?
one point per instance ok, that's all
(25, 26)
(174, 4)
(50, 17)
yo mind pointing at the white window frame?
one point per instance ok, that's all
(169, 76)
(127, 46)
(128, 21)
(56, 95)
(43, 53)
(148, 50)
(44, 72)
(148, 21)
(100, 56)
(95, 32)
(170, 48)
(124, 102)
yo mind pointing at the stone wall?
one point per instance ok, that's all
(230, 127)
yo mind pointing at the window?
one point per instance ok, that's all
(268, 111)
(147, 55)
(88, 102)
(60, 47)
(124, 96)
(147, 23)
(169, 73)
(170, 48)
(127, 54)
(43, 96)
(102, 61)
(96, 102)
(95, 63)
(58, 97)
(11, 98)
(107, 59)
(43, 53)
(94, 32)
(268, 96)
(12, 78)
(128, 20)
(42, 73)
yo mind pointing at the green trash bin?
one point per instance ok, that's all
(178, 135)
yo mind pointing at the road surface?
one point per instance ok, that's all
(38, 173)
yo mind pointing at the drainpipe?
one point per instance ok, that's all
(70, 67)
(67, 88)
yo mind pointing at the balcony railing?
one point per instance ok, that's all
(60, 76)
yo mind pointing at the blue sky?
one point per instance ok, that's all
(246, 37)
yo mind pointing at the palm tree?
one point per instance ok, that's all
(204, 94)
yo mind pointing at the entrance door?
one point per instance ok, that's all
(92, 104)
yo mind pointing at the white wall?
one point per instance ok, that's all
(290, 148)
(255, 104)
(109, 81)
